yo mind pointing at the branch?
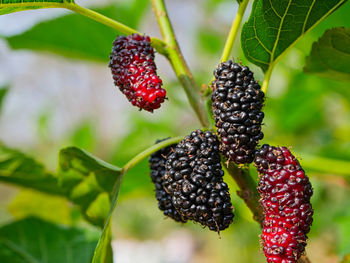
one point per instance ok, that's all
(267, 79)
(248, 191)
(178, 63)
(158, 44)
(236, 24)
(138, 158)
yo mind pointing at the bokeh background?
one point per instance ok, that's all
(61, 93)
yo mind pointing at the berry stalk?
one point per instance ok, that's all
(178, 63)
(236, 24)
(138, 158)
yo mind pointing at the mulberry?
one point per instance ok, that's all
(194, 180)
(134, 71)
(285, 196)
(237, 103)
(157, 164)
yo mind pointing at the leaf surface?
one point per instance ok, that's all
(330, 55)
(276, 25)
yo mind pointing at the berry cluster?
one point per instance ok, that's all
(194, 180)
(134, 71)
(237, 102)
(285, 196)
(157, 164)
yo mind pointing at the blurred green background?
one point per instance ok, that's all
(60, 93)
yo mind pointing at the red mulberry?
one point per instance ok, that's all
(237, 103)
(194, 180)
(134, 71)
(285, 196)
(157, 164)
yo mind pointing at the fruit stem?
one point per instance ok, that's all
(236, 24)
(138, 158)
(325, 165)
(158, 44)
(178, 63)
(267, 79)
(248, 189)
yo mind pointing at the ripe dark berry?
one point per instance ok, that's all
(194, 180)
(285, 196)
(157, 164)
(134, 71)
(237, 103)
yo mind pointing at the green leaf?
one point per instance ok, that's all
(330, 55)
(276, 25)
(346, 259)
(10, 6)
(103, 252)
(84, 179)
(33, 240)
(3, 92)
(17, 168)
(76, 36)
(88, 179)
(34, 203)
(210, 41)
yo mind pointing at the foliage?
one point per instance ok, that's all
(330, 55)
(298, 112)
(274, 26)
(82, 178)
(35, 240)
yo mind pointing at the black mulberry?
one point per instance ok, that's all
(194, 180)
(237, 103)
(157, 164)
(285, 196)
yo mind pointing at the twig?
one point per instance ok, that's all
(178, 63)
(248, 191)
(236, 24)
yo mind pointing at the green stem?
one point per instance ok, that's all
(325, 165)
(178, 63)
(138, 158)
(236, 24)
(248, 191)
(158, 44)
(267, 79)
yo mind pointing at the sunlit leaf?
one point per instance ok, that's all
(76, 36)
(103, 252)
(82, 178)
(346, 259)
(34, 240)
(10, 6)
(87, 178)
(330, 55)
(3, 92)
(276, 25)
(17, 168)
(34, 203)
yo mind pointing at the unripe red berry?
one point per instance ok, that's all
(285, 197)
(134, 71)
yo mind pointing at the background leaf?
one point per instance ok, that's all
(34, 240)
(84, 179)
(103, 251)
(89, 181)
(19, 169)
(330, 55)
(76, 36)
(3, 92)
(275, 25)
(10, 6)
(29, 203)
(346, 259)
